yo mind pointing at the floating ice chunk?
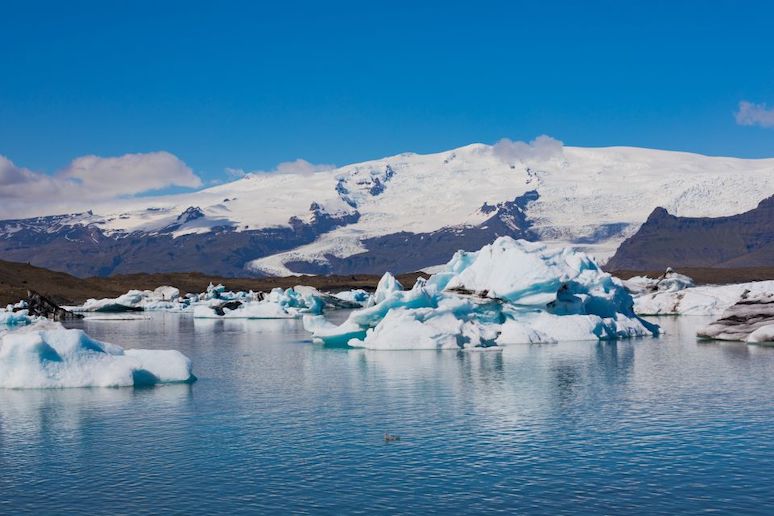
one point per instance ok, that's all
(10, 318)
(703, 300)
(278, 304)
(742, 320)
(357, 297)
(670, 281)
(46, 355)
(508, 292)
(161, 299)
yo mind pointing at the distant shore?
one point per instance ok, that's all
(17, 278)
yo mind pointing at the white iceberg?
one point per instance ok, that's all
(289, 303)
(511, 291)
(705, 300)
(670, 281)
(164, 298)
(9, 317)
(356, 297)
(46, 355)
(750, 319)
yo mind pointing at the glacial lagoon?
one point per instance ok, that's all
(276, 423)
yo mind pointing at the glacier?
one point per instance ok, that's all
(508, 292)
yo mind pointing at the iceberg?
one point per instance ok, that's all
(10, 317)
(750, 319)
(45, 355)
(511, 291)
(706, 300)
(670, 281)
(164, 298)
(289, 303)
(355, 298)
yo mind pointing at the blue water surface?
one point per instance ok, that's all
(278, 424)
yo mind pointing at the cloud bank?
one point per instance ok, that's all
(87, 180)
(754, 114)
(541, 148)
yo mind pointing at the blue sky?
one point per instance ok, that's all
(248, 85)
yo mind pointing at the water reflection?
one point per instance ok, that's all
(278, 424)
(27, 414)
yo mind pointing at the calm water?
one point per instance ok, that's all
(278, 424)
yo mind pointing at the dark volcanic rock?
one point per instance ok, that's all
(228, 305)
(39, 305)
(744, 240)
(86, 250)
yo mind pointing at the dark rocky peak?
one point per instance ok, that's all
(487, 208)
(659, 214)
(191, 213)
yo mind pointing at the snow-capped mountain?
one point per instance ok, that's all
(399, 213)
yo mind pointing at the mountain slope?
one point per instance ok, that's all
(744, 240)
(399, 213)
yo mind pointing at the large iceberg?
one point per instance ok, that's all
(46, 355)
(511, 291)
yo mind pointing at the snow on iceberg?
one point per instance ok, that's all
(511, 291)
(46, 355)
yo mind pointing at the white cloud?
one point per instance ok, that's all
(541, 148)
(87, 180)
(754, 114)
(298, 166)
(301, 166)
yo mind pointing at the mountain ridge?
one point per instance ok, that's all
(743, 240)
(401, 213)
